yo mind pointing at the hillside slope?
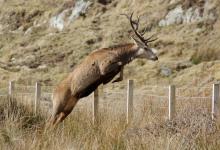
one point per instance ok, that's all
(34, 49)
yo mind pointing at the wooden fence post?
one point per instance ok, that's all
(215, 100)
(11, 88)
(130, 100)
(95, 105)
(37, 97)
(172, 101)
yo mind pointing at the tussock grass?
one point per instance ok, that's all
(20, 128)
(205, 55)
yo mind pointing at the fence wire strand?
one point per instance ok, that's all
(113, 98)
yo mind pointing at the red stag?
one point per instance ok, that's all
(99, 67)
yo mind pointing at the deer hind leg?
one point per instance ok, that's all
(62, 110)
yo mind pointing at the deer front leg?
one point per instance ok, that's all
(108, 68)
(110, 71)
(120, 78)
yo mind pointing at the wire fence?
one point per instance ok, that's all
(114, 98)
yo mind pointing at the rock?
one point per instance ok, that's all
(28, 31)
(165, 71)
(69, 15)
(192, 14)
(42, 67)
(58, 21)
(175, 16)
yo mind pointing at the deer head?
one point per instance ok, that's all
(144, 51)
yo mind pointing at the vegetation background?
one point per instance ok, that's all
(43, 41)
(31, 49)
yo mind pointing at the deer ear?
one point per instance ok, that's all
(137, 42)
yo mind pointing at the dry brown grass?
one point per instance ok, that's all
(205, 55)
(60, 51)
(102, 26)
(191, 129)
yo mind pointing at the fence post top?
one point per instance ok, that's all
(38, 83)
(217, 83)
(172, 86)
(130, 81)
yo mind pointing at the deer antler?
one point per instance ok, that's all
(135, 29)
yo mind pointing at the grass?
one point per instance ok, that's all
(192, 128)
(205, 55)
(60, 51)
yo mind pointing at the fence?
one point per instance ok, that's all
(170, 94)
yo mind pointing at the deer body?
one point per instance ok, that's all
(99, 67)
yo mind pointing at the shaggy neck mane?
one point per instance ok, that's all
(119, 47)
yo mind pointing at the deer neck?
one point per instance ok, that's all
(128, 54)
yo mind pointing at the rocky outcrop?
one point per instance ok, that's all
(189, 13)
(69, 15)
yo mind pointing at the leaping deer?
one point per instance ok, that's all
(99, 67)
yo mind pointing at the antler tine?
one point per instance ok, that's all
(137, 23)
(125, 16)
(150, 38)
(135, 29)
(133, 22)
(144, 31)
